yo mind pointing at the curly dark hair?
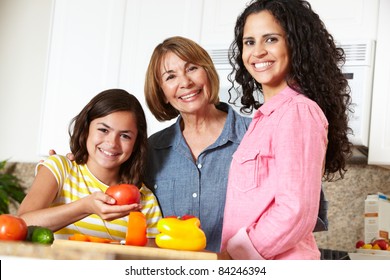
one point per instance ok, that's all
(103, 104)
(315, 72)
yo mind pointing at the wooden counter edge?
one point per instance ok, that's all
(126, 252)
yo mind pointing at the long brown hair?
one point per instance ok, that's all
(103, 104)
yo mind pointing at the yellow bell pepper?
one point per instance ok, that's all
(179, 234)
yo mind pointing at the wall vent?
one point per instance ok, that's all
(220, 58)
(358, 53)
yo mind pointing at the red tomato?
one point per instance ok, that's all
(12, 228)
(124, 194)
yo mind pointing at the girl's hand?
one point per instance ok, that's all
(104, 206)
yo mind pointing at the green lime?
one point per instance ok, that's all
(42, 235)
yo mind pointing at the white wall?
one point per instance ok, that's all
(24, 32)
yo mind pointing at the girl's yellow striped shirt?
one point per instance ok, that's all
(76, 181)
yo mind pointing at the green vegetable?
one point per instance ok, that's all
(41, 235)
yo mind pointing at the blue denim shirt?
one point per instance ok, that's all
(183, 186)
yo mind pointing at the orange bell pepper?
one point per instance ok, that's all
(180, 234)
(136, 229)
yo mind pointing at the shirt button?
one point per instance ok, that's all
(155, 186)
(199, 165)
(194, 195)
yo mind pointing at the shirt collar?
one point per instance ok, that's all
(276, 101)
(234, 128)
(235, 125)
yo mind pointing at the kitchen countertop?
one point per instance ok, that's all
(79, 250)
(38, 251)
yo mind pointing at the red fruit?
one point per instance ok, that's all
(12, 227)
(381, 243)
(124, 194)
(359, 244)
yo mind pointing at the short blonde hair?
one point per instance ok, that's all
(188, 51)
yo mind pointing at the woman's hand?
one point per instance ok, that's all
(70, 156)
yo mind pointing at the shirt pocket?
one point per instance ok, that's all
(250, 168)
(174, 198)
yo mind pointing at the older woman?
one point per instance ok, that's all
(189, 161)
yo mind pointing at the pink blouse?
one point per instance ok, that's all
(275, 182)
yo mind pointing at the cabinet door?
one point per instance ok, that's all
(379, 147)
(348, 20)
(84, 59)
(100, 44)
(219, 19)
(147, 24)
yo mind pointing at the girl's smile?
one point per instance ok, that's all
(111, 140)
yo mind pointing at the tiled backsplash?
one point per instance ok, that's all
(346, 201)
(346, 205)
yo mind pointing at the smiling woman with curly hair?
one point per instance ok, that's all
(298, 135)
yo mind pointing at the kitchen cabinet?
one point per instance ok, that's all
(379, 147)
(355, 32)
(367, 20)
(219, 19)
(348, 19)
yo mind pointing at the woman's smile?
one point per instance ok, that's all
(190, 95)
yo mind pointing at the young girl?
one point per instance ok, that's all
(297, 136)
(108, 140)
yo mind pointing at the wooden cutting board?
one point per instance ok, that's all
(126, 252)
